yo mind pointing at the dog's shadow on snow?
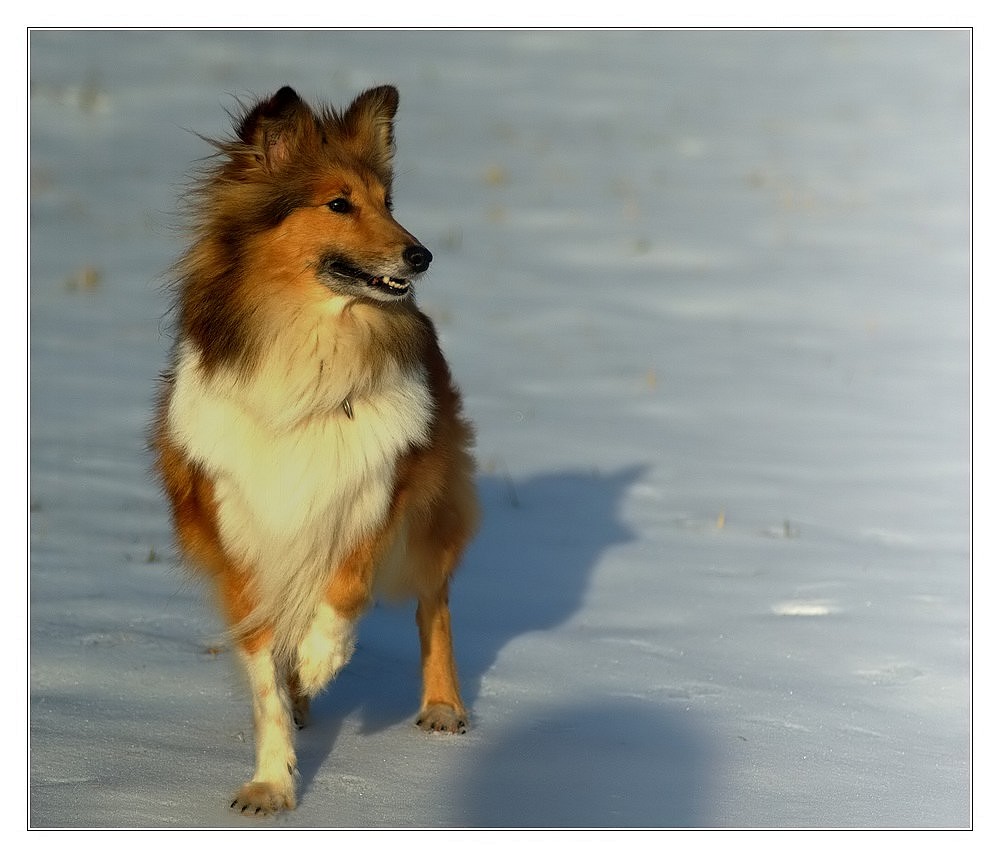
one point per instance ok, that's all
(527, 571)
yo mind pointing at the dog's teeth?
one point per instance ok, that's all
(388, 283)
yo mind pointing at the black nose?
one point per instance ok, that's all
(417, 257)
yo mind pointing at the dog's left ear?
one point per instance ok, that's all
(273, 128)
(368, 129)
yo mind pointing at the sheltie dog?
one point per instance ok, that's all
(309, 437)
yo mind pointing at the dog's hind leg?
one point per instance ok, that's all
(435, 547)
(441, 707)
(299, 700)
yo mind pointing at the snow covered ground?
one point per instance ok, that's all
(707, 294)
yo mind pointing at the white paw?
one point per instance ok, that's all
(262, 798)
(326, 648)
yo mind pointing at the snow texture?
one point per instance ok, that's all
(707, 294)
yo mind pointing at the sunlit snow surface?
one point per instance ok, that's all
(707, 296)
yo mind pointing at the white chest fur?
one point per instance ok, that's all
(297, 480)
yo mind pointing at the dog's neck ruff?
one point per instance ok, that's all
(291, 491)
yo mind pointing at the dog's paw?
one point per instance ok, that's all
(262, 798)
(442, 718)
(318, 667)
(326, 648)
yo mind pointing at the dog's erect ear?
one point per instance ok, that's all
(274, 127)
(367, 126)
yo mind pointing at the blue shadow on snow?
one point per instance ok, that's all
(616, 764)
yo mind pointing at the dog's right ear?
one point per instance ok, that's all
(275, 127)
(367, 128)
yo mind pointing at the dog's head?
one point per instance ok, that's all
(318, 184)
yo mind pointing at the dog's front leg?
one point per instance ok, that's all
(272, 787)
(329, 640)
(325, 649)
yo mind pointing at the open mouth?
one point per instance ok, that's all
(394, 287)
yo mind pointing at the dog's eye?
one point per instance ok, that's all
(340, 205)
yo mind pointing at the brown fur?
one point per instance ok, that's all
(256, 300)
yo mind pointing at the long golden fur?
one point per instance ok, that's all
(309, 437)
